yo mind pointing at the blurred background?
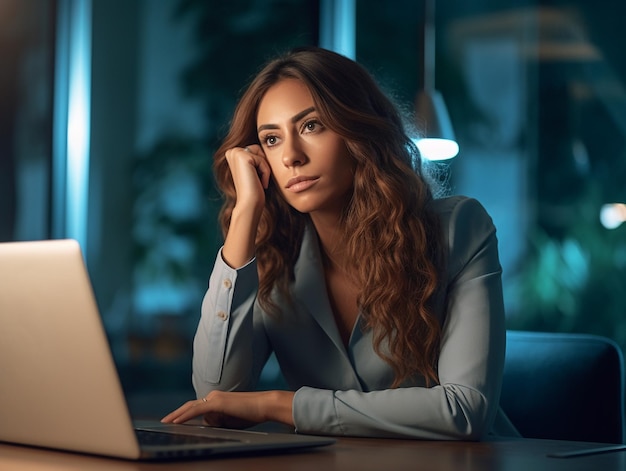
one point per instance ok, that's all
(110, 111)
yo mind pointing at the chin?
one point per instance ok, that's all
(303, 205)
(304, 209)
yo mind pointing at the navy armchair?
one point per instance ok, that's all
(564, 386)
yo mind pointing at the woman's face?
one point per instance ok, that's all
(310, 163)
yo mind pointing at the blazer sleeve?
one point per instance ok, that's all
(230, 346)
(463, 405)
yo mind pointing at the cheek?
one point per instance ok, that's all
(273, 157)
(274, 174)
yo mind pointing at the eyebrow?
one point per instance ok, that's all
(294, 119)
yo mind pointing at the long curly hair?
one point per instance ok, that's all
(391, 236)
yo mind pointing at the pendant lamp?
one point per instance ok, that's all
(437, 140)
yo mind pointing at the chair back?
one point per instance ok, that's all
(564, 386)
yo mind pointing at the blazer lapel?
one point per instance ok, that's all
(310, 287)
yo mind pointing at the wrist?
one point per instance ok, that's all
(279, 407)
(240, 243)
(248, 209)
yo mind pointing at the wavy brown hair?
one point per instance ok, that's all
(389, 232)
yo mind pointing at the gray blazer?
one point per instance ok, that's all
(345, 391)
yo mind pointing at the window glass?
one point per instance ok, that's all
(26, 76)
(535, 91)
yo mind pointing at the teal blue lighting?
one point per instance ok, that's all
(72, 120)
(338, 26)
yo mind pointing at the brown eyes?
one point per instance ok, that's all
(308, 127)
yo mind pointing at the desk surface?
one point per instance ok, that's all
(350, 454)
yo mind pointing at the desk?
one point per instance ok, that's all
(349, 454)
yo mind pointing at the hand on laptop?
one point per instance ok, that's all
(236, 409)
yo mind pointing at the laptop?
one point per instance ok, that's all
(59, 385)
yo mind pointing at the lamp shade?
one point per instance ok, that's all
(437, 141)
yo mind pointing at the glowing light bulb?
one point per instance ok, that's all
(437, 149)
(613, 215)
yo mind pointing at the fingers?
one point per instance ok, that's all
(209, 410)
(218, 409)
(255, 157)
(255, 149)
(186, 412)
(263, 168)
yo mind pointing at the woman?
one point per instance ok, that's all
(382, 304)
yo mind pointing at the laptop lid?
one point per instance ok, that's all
(60, 387)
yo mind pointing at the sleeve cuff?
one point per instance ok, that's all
(314, 412)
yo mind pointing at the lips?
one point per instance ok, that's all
(300, 183)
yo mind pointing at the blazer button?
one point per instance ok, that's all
(222, 315)
(227, 283)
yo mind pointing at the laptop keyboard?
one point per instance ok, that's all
(154, 438)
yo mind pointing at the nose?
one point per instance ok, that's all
(293, 154)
